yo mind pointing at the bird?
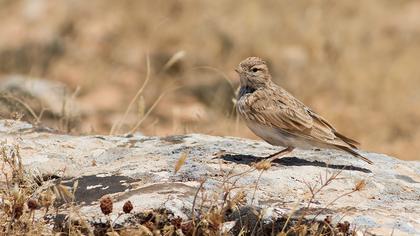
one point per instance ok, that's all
(280, 119)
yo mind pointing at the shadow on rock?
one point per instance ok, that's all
(289, 161)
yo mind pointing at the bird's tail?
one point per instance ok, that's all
(354, 153)
(352, 143)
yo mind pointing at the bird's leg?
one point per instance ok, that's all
(283, 152)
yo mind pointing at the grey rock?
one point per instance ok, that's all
(41, 95)
(141, 169)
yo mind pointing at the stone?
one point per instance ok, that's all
(140, 169)
(37, 96)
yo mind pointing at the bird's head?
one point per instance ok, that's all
(253, 72)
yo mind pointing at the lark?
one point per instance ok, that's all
(280, 119)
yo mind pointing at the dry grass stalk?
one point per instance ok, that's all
(116, 126)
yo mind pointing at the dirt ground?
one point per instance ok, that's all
(354, 62)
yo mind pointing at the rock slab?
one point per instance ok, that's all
(141, 169)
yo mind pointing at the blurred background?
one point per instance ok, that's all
(167, 67)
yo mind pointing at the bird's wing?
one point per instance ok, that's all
(322, 127)
(281, 110)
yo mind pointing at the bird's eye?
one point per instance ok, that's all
(255, 69)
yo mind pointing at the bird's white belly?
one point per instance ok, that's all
(279, 138)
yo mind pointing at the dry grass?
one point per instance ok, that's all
(30, 201)
(353, 61)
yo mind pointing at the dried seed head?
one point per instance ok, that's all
(106, 205)
(47, 199)
(16, 115)
(18, 210)
(215, 218)
(328, 219)
(360, 185)
(344, 227)
(263, 165)
(238, 200)
(128, 206)
(33, 204)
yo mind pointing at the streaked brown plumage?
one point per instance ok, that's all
(279, 118)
